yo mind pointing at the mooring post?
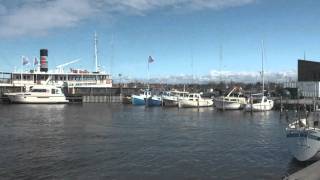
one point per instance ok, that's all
(198, 102)
(223, 103)
(251, 103)
(281, 105)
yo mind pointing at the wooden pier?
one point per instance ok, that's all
(311, 172)
(309, 103)
(101, 99)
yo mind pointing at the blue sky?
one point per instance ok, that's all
(183, 36)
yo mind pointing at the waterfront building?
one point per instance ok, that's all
(308, 83)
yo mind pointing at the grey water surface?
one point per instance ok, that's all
(114, 141)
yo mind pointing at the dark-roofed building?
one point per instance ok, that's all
(308, 70)
(309, 78)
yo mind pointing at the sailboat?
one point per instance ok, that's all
(303, 136)
(260, 102)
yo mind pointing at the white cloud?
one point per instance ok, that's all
(145, 5)
(247, 76)
(38, 17)
(226, 76)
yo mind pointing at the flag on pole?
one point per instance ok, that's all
(150, 60)
(35, 61)
(25, 60)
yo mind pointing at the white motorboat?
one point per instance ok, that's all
(303, 138)
(195, 100)
(47, 94)
(259, 103)
(232, 101)
(172, 98)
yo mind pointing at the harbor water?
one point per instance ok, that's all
(115, 141)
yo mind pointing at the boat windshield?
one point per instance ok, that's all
(38, 90)
(55, 91)
(255, 101)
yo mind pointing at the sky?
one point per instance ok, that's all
(188, 39)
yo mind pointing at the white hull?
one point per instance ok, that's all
(39, 94)
(190, 103)
(226, 105)
(304, 143)
(258, 107)
(172, 98)
(34, 99)
(259, 104)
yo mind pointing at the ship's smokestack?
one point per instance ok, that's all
(43, 60)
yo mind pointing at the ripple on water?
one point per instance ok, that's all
(129, 142)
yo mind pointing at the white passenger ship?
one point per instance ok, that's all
(74, 78)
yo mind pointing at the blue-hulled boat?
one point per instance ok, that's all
(141, 98)
(154, 101)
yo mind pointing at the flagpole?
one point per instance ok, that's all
(36, 71)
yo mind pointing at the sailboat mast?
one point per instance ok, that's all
(262, 59)
(220, 63)
(96, 51)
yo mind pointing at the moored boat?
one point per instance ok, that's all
(171, 98)
(45, 94)
(141, 98)
(154, 100)
(259, 103)
(232, 101)
(195, 100)
(303, 138)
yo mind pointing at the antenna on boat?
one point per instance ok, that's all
(112, 53)
(96, 52)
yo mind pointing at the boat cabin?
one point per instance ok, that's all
(45, 89)
(194, 96)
